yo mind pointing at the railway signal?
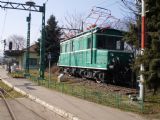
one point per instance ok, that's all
(30, 3)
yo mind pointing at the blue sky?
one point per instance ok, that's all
(14, 21)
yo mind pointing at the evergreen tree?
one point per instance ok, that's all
(52, 41)
(152, 53)
(151, 56)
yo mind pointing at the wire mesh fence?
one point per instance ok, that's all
(112, 99)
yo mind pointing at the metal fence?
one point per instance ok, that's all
(116, 100)
(105, 98)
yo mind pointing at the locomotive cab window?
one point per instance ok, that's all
(109, 42)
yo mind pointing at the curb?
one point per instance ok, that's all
(55, 109)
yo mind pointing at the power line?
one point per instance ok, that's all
(3, 27)
(102, 2)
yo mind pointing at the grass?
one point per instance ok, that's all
(152, 104)
(10, 91)
(17, 74)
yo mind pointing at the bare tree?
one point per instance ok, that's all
(73, 24)
(131, 10)
(132, 6)
(18, 42)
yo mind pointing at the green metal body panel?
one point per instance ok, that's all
(82, 51)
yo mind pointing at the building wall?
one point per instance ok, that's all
(33, 57)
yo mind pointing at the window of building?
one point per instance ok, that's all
(33, 62)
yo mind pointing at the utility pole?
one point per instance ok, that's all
(141, 82)
(4, 43)
(49, 59)
(28, 43)
(29, 3)
(42, 45)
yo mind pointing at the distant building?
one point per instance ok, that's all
(19, 56)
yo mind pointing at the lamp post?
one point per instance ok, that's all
(29, 3)
(49, 59)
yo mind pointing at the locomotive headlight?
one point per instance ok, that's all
(111, 66)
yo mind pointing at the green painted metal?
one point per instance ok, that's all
(42, 46)
(28, 44)
(82, 51)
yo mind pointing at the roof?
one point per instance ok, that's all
(31, 48)
(20, 52)
(97, 30)
(13, 53)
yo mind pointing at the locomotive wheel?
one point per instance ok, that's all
(82, 74)
(100, 78)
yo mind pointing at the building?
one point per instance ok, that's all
(19, 57)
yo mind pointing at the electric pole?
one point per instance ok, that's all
(141, 82)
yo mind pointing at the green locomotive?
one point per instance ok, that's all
(97, 53)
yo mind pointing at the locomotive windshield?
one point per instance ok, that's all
(109, 42)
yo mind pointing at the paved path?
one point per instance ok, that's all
(83, 110)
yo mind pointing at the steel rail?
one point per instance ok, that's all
(8, 107)
(23, 105)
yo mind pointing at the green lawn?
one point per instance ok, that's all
(10, 91)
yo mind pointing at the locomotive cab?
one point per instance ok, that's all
(111, 55)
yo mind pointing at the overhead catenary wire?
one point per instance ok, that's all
(3, 26)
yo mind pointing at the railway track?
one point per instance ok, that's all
(103, 86)
(7, 105)
(13, 115)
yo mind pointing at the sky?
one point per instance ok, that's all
(13, 22)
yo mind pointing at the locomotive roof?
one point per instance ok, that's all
(110, 31)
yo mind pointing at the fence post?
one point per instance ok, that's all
(99, 97)
(72, 90)
(142, 106)
(55, 85)
(84, 93)
(62, 87)
(117, 100)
